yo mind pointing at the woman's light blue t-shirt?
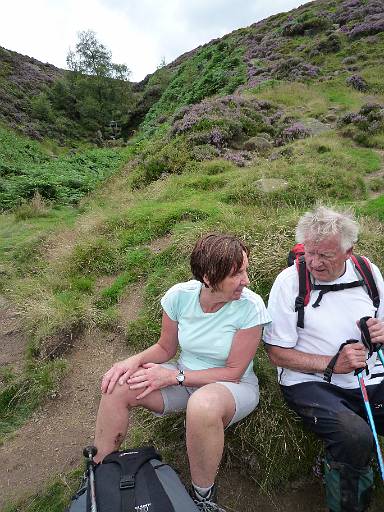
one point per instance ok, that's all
(206, 338)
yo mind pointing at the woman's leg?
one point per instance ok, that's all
(113, 416)
(209, 410)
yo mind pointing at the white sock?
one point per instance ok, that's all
(203, 492)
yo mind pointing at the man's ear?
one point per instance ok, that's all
(206, 281)
(348, 253)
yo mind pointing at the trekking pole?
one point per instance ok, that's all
(381, 356)
(366, 340)
(364, 393)
(89, 452)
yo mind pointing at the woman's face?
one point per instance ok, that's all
(232, 286)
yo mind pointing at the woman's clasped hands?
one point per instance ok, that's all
(151, 376)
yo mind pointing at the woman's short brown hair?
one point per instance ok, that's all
(217, 256)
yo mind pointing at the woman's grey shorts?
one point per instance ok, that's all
(245, 394)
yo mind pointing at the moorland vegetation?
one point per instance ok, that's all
(240, 135)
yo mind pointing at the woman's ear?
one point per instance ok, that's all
(206, 281)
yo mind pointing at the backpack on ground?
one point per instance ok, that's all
(362, 267)
(134, 480)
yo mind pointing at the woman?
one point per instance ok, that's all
(217, 322)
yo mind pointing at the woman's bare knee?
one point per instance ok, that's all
(121, 396)
(211, 403)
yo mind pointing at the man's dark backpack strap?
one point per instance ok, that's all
(304, 289)
(325, 288)
(131, 462)
(364, 268)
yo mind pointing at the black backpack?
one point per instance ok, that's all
(134, 480)
(362, 267)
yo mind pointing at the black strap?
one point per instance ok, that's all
(325, 288)
(159, 498)
(130, 463)
(358, 370)
(300, 299)
(365, 335)
(364, 269)
(332, 363)
(361, 265)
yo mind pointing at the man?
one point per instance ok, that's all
(333, 410)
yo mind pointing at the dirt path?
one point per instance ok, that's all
(12, 338)
(50, 443)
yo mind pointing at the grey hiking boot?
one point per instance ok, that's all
(207, 504)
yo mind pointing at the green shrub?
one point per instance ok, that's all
(217, 167)
(161, 158)
(26, 172)
(95, 257)
(136, 263)
(20, 396)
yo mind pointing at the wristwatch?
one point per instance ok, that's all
(180, 377)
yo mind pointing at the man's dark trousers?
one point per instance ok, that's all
(338, 417)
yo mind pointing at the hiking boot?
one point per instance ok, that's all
(208, 503)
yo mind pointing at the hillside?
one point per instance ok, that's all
(240, 135)
(21, 79)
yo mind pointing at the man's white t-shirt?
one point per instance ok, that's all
(325, 327)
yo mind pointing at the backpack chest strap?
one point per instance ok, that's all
(325, 288)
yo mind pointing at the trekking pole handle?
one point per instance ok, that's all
(89, 452)
(358, 370)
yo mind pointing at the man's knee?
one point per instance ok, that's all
(353, 441)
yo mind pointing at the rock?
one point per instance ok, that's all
(259, 144)
(330, 118)
(315, 126)
(271, 184)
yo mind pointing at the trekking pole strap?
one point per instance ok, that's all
(366, 336)
(332, 363)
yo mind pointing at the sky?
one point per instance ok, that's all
(139, 33)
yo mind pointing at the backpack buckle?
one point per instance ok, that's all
(299, 303)
(127, 482)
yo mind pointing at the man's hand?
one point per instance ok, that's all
(376, 330)
(352, 357)
(121, 372)
(151, 376)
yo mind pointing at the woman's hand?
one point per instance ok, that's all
(120, 371)
(151, 376)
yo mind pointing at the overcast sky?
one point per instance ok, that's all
(140, 33)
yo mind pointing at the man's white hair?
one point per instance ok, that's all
(323, 222)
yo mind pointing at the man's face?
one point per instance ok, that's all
(326, 259)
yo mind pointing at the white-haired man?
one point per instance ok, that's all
(328, 399)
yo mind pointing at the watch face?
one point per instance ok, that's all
(180, 378)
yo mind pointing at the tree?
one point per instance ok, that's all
(92, 58)
(96, 90)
